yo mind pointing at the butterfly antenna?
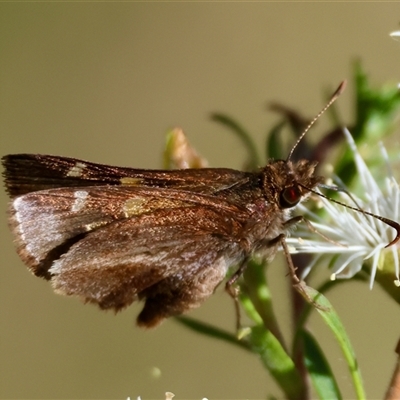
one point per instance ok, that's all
(335, 95)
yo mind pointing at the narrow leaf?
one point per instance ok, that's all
(328, 314)
(320, 372)
(274, 143)
(212, 331)
(277, 361)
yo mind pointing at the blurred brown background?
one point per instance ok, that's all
(103, 82)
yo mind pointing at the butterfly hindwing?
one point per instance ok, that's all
(174, 267)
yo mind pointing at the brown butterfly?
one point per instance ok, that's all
(113, 235)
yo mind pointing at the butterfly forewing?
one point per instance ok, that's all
(33, 172)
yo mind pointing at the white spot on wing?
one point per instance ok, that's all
(76, 170)
(80, 200)
(18, 204)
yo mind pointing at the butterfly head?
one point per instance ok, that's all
(286, 183)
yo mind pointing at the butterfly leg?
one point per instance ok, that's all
(233, 291)
(298, 284)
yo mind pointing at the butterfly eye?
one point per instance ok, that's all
(290, 197)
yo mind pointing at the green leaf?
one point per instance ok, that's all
(376, 112)
(328, 314)
(277, 361)
(274, 143)
(212, 331)
(375, 108)
(320, 372)
(256, 298)
(265, 345)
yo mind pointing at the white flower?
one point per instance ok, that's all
(356, 237)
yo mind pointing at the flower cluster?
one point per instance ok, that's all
(355, 238)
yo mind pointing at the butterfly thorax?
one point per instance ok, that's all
(281, 186)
